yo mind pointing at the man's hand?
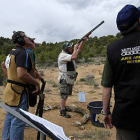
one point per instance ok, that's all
(85, 38)
(107, 121)
(37, 89)
(76, 46)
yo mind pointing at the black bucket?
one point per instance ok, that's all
(95, 113)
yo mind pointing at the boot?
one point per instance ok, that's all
(64, 114)
(66, 108)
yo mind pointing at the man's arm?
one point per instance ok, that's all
(34, 73)
(78, 47)
(75, 53)
(81, 45)
(4, 68)
(107, 117)
(38, 76)
(26, 77)
(106, 98)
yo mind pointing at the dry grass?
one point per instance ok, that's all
(93, 93)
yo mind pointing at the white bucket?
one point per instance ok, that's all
(82, 96)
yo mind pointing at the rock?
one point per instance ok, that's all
(72, 107)
(56, 107)
(71, 137)
(83, 120)
(87, 116)
(77, 123)
(80, 110)
(48, 107)
(82, 127)
(90, 77)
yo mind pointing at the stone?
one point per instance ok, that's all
(82, 127)
(71, 138)
(77, 123)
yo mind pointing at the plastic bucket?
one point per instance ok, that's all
(95, 113)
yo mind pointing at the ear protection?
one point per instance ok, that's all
(66, 45)
(18, 38)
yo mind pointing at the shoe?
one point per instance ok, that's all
(64, 114)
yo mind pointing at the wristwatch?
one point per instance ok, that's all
(105, 113)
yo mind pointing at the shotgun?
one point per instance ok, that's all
(90, 32)
(39, 109)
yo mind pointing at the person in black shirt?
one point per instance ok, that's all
(122, 72)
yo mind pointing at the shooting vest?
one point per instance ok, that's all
(15, 86)
(71, 74)
(67, 68)
(124, 57)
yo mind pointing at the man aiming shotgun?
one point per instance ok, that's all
(67, 69)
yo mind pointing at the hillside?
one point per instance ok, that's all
(52, 98)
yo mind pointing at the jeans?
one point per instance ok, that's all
(14, 128)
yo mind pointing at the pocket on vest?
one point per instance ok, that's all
(70, 79)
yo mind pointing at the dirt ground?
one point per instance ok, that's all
(93, 93)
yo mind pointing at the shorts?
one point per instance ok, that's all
(122, 134)
(65, 89)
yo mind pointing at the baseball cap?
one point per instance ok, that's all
(66, 45)
(127, 17)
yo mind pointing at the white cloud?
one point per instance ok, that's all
(60, 20)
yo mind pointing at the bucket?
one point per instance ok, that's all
(82, 96)
(95, 113)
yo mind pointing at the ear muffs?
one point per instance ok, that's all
(65, 46)
(18, 38)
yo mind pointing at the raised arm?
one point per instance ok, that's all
(81, 45)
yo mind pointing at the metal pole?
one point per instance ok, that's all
(43, 137)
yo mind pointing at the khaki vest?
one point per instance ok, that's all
(12, 92)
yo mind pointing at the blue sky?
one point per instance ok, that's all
(60, 20)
